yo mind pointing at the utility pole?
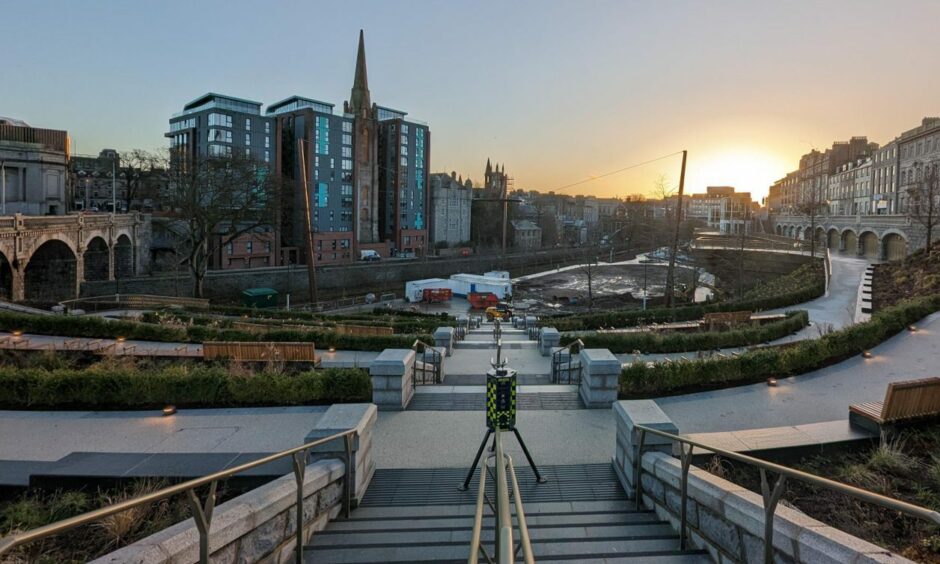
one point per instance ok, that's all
(3, 179)
(311, 257)
(671, 271)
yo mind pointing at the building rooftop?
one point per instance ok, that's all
(223, 102)
(299, 102)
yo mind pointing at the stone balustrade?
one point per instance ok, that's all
(392, 375)
(723, 518)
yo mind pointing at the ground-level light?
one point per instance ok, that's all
(169, 410)
(867, 354)
(331, 349)
(912, 328)
(17, 333)
(772, 381)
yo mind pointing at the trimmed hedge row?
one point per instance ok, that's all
(98, 327)
(809, 286)
(179, 385)
(649, 342)
(643, 380)
(400, 326)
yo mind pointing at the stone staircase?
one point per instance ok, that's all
(580, 515)
(482, 338)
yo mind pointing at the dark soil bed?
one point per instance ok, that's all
(904, 466)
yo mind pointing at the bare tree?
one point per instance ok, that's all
(216, 200)
(923, 195)
(589, 268)
(813, 207)
(140, 171)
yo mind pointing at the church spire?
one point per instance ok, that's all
(489, 167)
(359, 97)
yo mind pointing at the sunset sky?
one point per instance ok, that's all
(559, 91)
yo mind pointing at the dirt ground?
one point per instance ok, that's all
(611, 286)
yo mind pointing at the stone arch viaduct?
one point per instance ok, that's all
(872, 237)
(46, 258)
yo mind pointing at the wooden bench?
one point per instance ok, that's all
(259, 352)
(903, 401)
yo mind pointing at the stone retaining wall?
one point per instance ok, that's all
(259, 526)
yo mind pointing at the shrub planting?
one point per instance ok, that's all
(110, 386)
(650, 342)
(97, 327)
(664, 378)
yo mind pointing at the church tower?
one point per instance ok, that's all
(365, 156)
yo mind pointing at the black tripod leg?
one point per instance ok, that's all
(476, 459)
(538, 477)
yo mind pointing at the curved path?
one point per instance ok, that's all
(821, 395)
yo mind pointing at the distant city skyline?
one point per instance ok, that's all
(558, 91)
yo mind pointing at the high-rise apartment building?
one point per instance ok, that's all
(365, 169)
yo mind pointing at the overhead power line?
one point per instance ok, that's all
(618, 171)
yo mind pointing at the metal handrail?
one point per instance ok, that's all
(556, 359)
(435, 361)
(770, 494)
(202, 512)
(504, 552)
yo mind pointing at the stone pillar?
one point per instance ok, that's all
(111, 261)
(600, 378)
(444, 338)
(627, 415)
(339, 418)
(392, 375)
(79, 272)
(549, 338)
(18, 283)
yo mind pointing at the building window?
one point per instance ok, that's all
(267, 156)
(347, 139)
(347, 152)
(247, 153)
(248, 139)
(347, 164)
(220, 136)
(267, 142)
(404, 150)
(323, 190)
(267, 127)
(248, 247)
(220, 120)
(404, 128)
(347, 127)
(230, 248)
(404, 161)
(267, 246)
(220, 150)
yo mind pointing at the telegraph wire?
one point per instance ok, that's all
(618, 171)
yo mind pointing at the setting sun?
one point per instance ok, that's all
(747, 170)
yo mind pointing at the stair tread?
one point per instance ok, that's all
(437, 553)
(531, 509)
(466, 521)
(461, 535)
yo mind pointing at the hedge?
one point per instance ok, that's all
(811, 286)
(407, 325)
(650, 342)
(664, 378)
(179, 385)
(99, 327)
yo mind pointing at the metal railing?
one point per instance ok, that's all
(770, 494)
(504, 550)
(425, 370)
(202, 511)
(565, 370)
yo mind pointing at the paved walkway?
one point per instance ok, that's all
(821, 395)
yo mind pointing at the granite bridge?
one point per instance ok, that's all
(874, 237)
(46, 258)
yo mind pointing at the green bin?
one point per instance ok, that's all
(259, 297)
